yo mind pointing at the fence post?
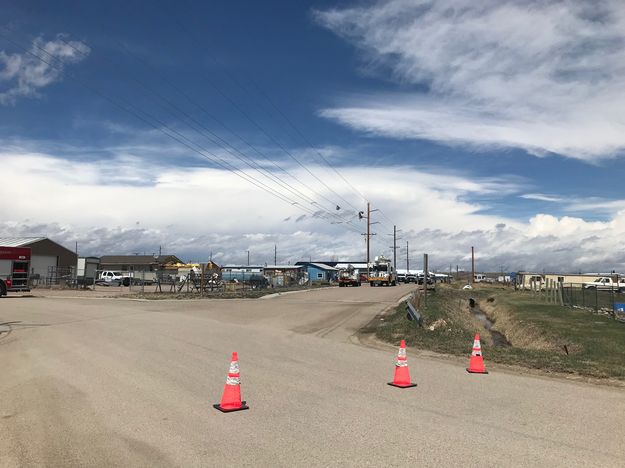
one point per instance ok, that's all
(202, 266)
(596, 299)
(549, 290)
(612, 297)
(561, 289)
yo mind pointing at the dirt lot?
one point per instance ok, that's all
(117, 382)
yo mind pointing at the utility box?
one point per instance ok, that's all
(86, 271)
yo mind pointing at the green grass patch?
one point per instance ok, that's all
(596, 343)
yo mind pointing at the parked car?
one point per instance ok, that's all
(111, 278)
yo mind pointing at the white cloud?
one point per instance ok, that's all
(142, 200)
(541, 197)
(23, 75)
(543, 76)
(128, 203)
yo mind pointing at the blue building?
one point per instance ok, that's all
(319, 272)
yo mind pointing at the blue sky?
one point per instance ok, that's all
(494, 124)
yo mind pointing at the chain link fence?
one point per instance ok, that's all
(609, 301)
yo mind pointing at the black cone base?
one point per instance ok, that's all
(402, 386)
(231, 410)
(476, 372)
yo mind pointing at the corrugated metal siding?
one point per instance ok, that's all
(18, 241)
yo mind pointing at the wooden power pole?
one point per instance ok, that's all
(407, 260)
(425, 278)
(472, 265)
(368, 234)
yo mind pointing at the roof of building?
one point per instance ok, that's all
(358, 265)
(283, 267)
(321, 266)
(138, 259)
(19, 241)
(330, 263)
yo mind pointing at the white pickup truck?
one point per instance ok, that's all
(606, 282)
(111, 277)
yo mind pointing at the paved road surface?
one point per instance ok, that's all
(109, 382)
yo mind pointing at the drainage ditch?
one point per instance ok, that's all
(499, 339)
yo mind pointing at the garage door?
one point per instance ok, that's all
(40, 264)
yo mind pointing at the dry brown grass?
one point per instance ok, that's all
(520, 334)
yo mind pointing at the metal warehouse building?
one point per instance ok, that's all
(48, 259)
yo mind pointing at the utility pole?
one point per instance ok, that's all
(394, 247)
(76, 269)
(369, 233)
(275, 254)
(472, 265)
(425, 278)
(248, 258)
(407, 261)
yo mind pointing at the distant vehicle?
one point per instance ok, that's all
(382, 272)
(606, 283)
(111, 277)
(411, 278)
(478, 278)
(14, 268)
(422, 278)
(348, 277)
(258, 282)
(401, 277)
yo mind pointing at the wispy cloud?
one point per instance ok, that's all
(23, 75)
(541, 197)
(548, 77)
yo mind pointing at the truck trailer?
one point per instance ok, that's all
(14, 269)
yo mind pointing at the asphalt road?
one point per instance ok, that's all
(113, 382)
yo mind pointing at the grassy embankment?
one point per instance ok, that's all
(539, 334)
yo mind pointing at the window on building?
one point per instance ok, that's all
(319, 275)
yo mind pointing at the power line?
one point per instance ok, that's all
(171, 133)
(223, 125)
(222, 143)
(303, 137)
(245, 114)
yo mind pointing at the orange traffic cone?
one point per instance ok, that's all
(231, 398)
(402, 375)
(476, 365)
